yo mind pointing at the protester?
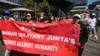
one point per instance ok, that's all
(1, 34)
(85, 17)
(46, 20)
(41, 16)
(52, 18)
(69, 18)
(29, 18)
(7, 16)
(83, 33)
(92, 26)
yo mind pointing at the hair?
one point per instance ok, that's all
(53, 17)
(7, 12)
(42, 20)
(75, 18)
(68, 14)
(32, 15)
(29, 13)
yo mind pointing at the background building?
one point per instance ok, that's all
(17, 1)
(59, 7)
(7, 5)
(78, 1)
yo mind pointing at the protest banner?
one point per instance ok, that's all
(56, 39)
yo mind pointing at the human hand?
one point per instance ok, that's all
(79, 44)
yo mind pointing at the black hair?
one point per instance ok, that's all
(32, 15)
(75, 18)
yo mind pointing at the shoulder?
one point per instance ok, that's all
(12, 19)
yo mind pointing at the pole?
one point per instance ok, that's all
(59, 13)
(35, 9)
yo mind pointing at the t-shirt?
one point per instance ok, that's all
(85, 20)
(92, 22)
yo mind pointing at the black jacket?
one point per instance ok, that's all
(83, 33)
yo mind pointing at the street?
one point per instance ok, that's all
(92, 48)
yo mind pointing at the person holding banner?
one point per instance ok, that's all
(7, 16)
(52, 18)
(83, 33)
(41, 16)
(29, 18)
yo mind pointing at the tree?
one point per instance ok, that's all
(30, 4)
(37, 9)
(45, 7)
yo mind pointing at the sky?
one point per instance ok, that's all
(90, 1)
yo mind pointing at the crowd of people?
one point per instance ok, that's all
(87, 27)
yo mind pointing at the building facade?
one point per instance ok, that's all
(60, 5)
(78, 1)
(17, 1)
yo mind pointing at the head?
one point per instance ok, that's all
(76, 18)
(41, 14)
(52, 18)
(7, 14)
(45, 20)
(68, 16)
(85, 13)
(29, 16)
(93, 15)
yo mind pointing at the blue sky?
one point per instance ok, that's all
(90, 1)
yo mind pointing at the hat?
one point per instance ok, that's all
(77, 15)
(93, 14)
(7, 12)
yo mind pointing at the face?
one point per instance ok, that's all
(42, 14)
(28, 16)
(52, 18)
(7, 16)
(77, 21)
(46, 21)
(68, 16)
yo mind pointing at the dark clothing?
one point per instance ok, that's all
(80, 51)
(1, 38)
(83, 34)
(83, 37)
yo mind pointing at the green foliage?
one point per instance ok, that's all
(45, 7)
(37, 8)
(29, 4)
